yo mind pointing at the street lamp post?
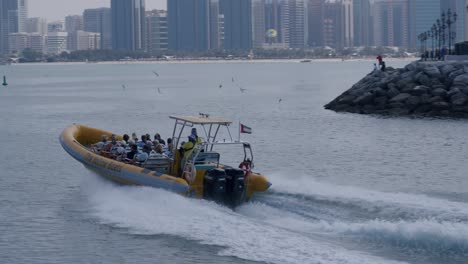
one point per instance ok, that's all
(451, 19)
(443, 27)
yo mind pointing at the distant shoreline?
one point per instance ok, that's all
(208, 61)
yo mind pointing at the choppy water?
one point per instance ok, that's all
(346, 188)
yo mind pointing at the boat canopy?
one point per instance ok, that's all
(202, 120)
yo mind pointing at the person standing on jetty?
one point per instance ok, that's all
(381, 63)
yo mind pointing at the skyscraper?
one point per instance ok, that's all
(156, 31)
(298, 25)
(315, 20)
(73, 23)
(13, 15)
(274, 16)
(363, 25)
(348, 22)
(99, 20)
(128, 22)
(189, 24)
(36, 25)
(391, 26)
(258, 23)
(237, 24)
(215, 29)
(423, 14)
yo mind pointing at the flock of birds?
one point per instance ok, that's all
(241, 89)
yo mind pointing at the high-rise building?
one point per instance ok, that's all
(99, 20)
(315, 20)
(298, 25)
(56, 42)
(56, 26)
(82, 40)
(392, 25)
(17, 42)
(36, 25)
(13, 15)
(332, 24)
(73, 23)
(215, 33)
(348, 22)
(422, 15)
(237, 24)
(189, 24)
(258, 23)
(128, 22)
(274, 16)
(363, 25)
(156, 31)
(37, 42)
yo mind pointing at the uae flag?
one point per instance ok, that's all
(245, 129)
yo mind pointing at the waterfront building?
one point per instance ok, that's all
(465, 20)
(13, 14)
(37, 42)
(128, 22)
(189, 24)
(56, 42)
(258, 23)
(156, 31)
(82, 40)
(332, 24)
(98, 20)
(273, 20)
(237, 24)
(73, 23)
(298, 24)
(363, 24)
(315, 23)
(391, 23)
(36, 25)
(56, 26)
(17, 42)
(215, 25)
(422, 15)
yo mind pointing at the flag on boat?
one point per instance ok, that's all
(245, 129)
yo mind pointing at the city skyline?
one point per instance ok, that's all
(58, 9)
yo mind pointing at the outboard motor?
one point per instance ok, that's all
(235, 186)
(214, 185)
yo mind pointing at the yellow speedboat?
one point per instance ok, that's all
(199, 174)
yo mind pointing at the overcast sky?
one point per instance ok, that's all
(58, 9)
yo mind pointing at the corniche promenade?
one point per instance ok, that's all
(432, 89)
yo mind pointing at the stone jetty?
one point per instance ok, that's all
(434, 89)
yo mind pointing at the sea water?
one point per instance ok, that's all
(346, 188)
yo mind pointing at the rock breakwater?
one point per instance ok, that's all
(419, 89)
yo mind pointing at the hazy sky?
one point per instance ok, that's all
(58, 9)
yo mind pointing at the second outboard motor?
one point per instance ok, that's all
(214, 185)
(235, 186)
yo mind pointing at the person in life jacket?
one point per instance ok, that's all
(246, 166)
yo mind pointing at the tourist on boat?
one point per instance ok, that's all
(108, 147)
(159, 139)
(121, 153)
(159, 149)
(147, 148)
(135, 137)
(140, 157)
(143, 141)
(169, 147)
(126, 138)
(133, 152)
(101, 143)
